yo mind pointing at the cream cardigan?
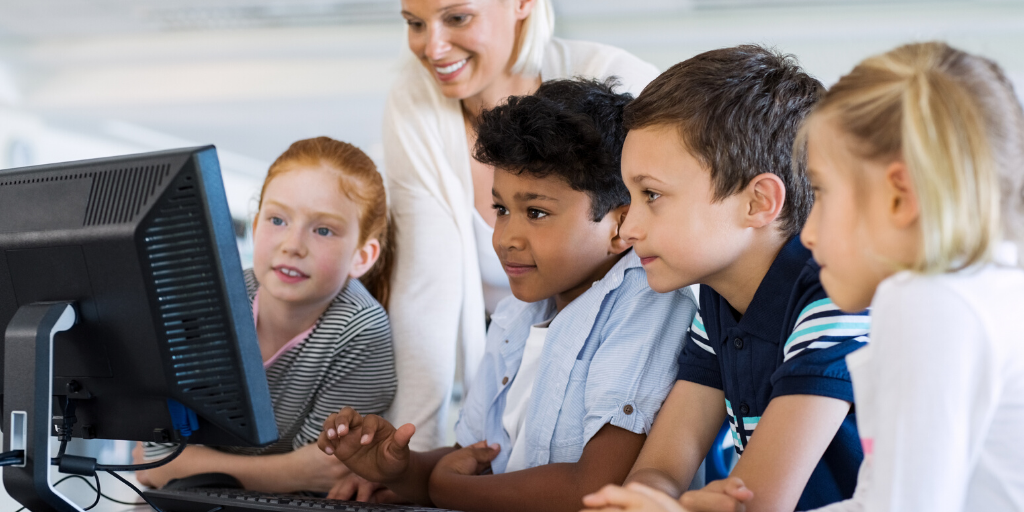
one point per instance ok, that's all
(437, 305)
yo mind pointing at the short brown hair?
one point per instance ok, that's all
(738, 111)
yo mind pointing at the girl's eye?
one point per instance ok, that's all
(501, 210)
(277, 221)
(414, 24)
(651, 196)
(534, 213)
(323, 231)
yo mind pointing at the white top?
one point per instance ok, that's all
(492, 275)
(518, 396)
(437, 303)
(940, 394)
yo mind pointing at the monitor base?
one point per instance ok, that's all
(28, 395)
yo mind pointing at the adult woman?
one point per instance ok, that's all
(468, 56)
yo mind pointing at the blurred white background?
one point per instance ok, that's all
(91, 78)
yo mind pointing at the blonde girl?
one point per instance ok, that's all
(916, 158)
(321, 263)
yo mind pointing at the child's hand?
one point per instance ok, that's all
(728, 495)
(633, 497)
(468, 461)
(369, 445)
(471, 460)
(353, 487)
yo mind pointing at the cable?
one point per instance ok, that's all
(11, 462)
(95, 488)
(12, 453)
(149, 465)
(136, 489)
(98, 492)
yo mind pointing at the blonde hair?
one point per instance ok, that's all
(362, 184)
(533, 38)
(954, 120)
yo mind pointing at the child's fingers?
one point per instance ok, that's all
(484, 453)
(343, 490)
(403, 435)
(710, 501)
(322, 444)
(342, 422)
(612, 496)
(663, 500)
(365, 490)
(734, 487)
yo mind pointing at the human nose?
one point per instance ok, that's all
(437, 43)
(508, 236)
(630, 231)
(294, 242)
(808, 235)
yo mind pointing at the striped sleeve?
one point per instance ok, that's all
(814, 354)
(699, 335)
(822, 324)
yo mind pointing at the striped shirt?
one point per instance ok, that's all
(792, 340)
(347, 360)
(609, 358)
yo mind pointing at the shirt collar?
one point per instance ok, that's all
(768, 307)
(506, 314)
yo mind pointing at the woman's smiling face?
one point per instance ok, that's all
(464, 44)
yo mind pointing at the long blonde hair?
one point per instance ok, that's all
(954, 120)
(362, 184)
(533, 38)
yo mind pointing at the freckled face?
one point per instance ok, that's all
(843, 218)
(546, 240)
(464, 44)
(305, 236)
(682, 235)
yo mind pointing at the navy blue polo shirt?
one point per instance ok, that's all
(791, 341)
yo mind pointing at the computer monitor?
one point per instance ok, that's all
(143, 250)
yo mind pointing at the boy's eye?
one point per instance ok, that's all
(501, 210)
(323, 231)
(651, 196)
(277, 221)
(534, 213)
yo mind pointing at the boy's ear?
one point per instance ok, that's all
(618, 244)
(766, 194)
(904, 208)
(364, 258)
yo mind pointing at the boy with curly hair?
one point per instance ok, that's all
(569, 385)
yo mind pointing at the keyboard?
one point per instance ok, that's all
(237, 500)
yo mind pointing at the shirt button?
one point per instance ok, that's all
(628, 409)
(504, 381)
(738, 343)
(506, 341)
(744, 409)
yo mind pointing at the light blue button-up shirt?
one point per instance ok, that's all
(610, 357)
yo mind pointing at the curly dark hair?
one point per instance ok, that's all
(568, 128)
(738, 110)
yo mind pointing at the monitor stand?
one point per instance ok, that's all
(28, 395)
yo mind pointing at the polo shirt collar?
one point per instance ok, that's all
(768, 307)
